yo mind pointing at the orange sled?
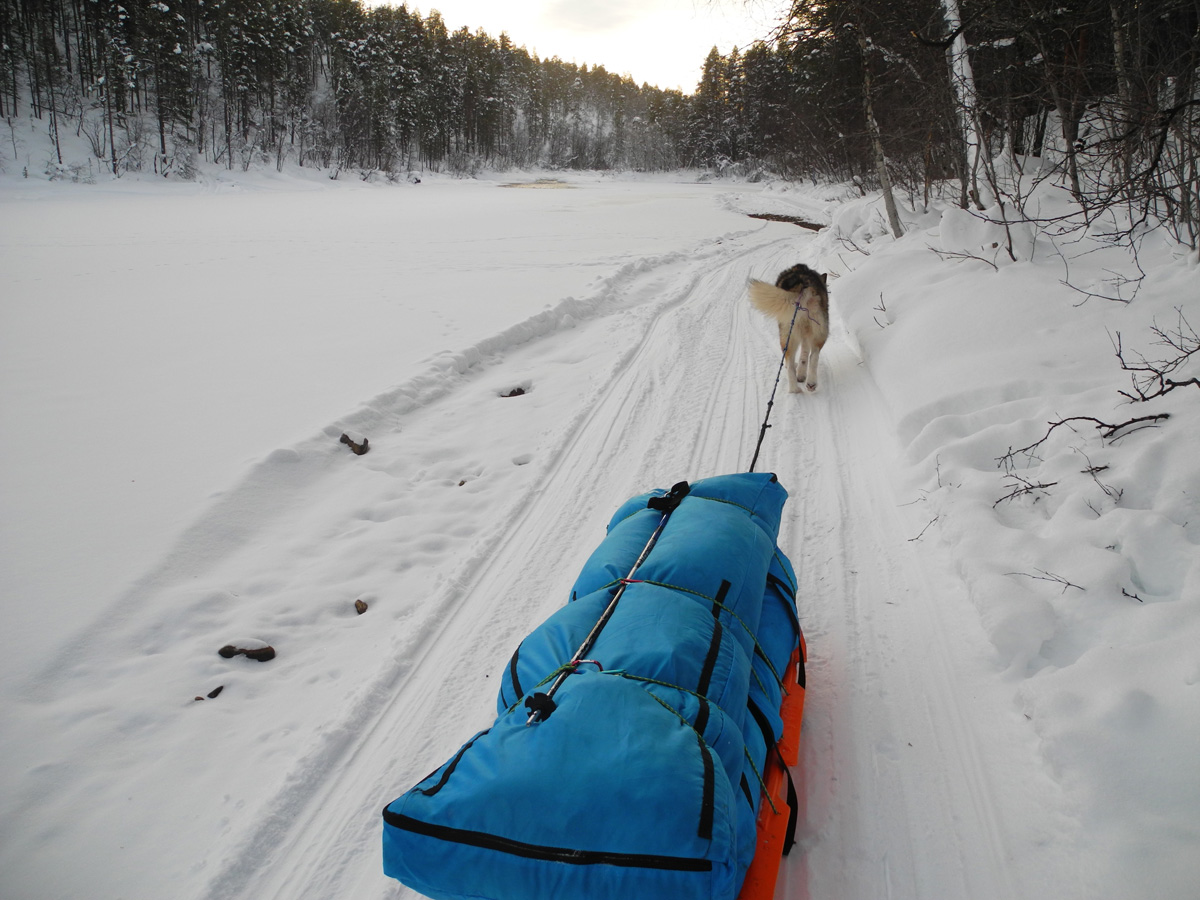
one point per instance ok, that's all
(777, 811)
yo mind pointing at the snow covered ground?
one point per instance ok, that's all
(1003, 693)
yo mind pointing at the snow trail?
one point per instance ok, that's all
(898, 802)
(644, 426)
(462, 529)
(897, 799)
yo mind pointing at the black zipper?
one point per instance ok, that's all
(550, 854)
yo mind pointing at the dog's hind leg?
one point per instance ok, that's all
(810, 368)
(790, 348)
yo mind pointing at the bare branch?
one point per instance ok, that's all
(932, 522)
(1111, 492)
(849, 244)
(1049, 576)
(882, 307)
(960, 254)
(1118, 281)
(1023, 488)
(1108, 432)
(1149, 377)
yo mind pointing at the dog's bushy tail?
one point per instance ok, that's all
(772, 301)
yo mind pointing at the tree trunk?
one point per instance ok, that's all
(885, 180)
(1124, 116)
(1069, 125)
(108, 115)
(54, 122)
(962, 78)
(1063, 81)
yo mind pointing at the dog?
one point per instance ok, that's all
(798, 298)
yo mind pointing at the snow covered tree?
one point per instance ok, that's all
(326, 82)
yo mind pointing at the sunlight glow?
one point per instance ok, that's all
(660, 42)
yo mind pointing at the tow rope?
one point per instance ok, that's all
(541, 705)
(762, 432)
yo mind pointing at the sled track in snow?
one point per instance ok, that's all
(882, 818)
(647, 426)
(896, 798)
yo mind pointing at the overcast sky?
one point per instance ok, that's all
(662, 42)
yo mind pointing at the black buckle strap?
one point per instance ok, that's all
(671, 499)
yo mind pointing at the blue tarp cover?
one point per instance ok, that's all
(644, 782)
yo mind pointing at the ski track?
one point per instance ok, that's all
(896, 798)
(894, 793)
(322, 832)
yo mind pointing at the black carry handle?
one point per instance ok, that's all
(671, 499)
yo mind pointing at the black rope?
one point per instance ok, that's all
(541, 705)
(763, 431)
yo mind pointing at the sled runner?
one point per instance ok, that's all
(644, 729)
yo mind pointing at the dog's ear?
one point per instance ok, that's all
(825, 279)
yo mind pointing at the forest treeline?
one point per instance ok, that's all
(1103, 94)
(910, 94)
(329, 83)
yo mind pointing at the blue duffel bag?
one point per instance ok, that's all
(640, 779)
